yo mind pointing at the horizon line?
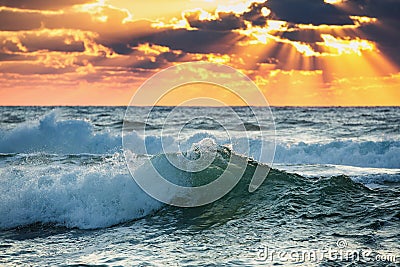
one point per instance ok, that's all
(205, 106)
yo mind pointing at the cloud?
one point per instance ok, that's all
(192, 41)
(308, 12)
(227, 18)
(222, 22)
(15, 57)
(382, 9)
(257, 14)
(17, 21)
(292, 44)
(41, 40)
(42, 4)
(102, 19)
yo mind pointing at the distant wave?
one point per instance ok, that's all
(57, 136)
(384, 154)
(78, 137)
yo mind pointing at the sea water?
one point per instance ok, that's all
(67, 196)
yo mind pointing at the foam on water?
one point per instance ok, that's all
(77, 136)
(86, 197)
(383, 154)
(89, 196)
(100, 193)
(57, 136)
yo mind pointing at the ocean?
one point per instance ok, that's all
(331, 197)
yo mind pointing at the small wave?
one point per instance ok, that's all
(252, 126)
(137, 125)
(51, 135)
(383, 154)
(378, 179)
(54, 136)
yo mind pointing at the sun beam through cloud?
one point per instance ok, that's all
(315, 53)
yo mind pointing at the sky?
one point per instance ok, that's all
(298, 52)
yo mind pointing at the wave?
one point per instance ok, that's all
(70, 195)
(101, 195)
(57, 136)
(382, 154)
(377, 179)
(51, 135)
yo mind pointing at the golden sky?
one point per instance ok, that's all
(299, 52)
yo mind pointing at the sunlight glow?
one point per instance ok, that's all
(343, 46)
(152, 49)
(263, 34)
(324, 27)
(332, 2)
(237, 7)
(31, 11)
(92, 8)
(265, 11)
(304, 49)
(174, 23)
(115, 43)
(359, 20)
(201, 13)
(221, 59)
(98, 11)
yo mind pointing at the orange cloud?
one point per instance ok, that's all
(87, 52)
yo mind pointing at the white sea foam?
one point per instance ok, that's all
(73, 196)
(101, 194)
(383, 154)
(76, 194)
(50, 135)
(57, 136)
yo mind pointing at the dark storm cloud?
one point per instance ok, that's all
(386, 32)
(302, 35)
(387, 39)
(9, 46)
(52, 43)
(15, 57)
(42, 4)
(314, 35)
(11, 20)
(254, 14)
(214, 35)
(314, 12)
(224, 21)
(192, 41)
(25, 68)
(211, 37)
(113, 33)
(129, 35)
(383, 9)
(171, 56)
(147, 64)
(19, 21)
(44, 41)
(159, 61)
